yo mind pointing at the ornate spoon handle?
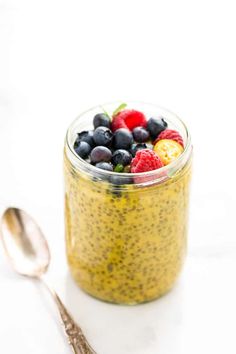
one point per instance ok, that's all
(74, 333)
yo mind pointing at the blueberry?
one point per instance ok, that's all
(86, 136)
(155, 126)
(137, 147)
(101, 119)
(83, 149)
(121, 157)
(102, 136)
(140, 134)
(117, 180)
(104, 166)
(100, 154)
(120, 180)
(123, 139)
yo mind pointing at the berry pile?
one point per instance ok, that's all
(128, 142)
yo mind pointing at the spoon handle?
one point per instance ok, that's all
(76, 338)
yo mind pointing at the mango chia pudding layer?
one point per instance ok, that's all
(127, 176)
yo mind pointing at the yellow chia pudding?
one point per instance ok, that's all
(126, 229)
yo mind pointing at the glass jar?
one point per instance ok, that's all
(126, 233)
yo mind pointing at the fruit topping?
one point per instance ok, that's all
(168, 150)
(86, 136)
(102, 136)
(119, 168)
(145, 160)
(170, 134)
(100, 154)
(128, 142)
(82, 149)
(155, 126)
(121, 157)
(104, 166)
(101, 120)
(123, 139)
(140, 134)
(127, 169)
(129, 119)
(136, 147)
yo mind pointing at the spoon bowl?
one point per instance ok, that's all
(24, 243)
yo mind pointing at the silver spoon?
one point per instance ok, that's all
(29, 254)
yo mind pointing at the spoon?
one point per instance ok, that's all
(29, 254)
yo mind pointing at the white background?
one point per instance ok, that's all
(59, 57)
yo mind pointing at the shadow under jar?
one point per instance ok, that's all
(126, 243)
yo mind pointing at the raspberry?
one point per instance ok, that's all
(145, 160)
(129, 119)
(171, 135)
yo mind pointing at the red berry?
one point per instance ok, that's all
(129, 119)
(145, 160)
(171, 135)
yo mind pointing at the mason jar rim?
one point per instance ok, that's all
(78, 162)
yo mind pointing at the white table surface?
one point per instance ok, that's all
(58, 58)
